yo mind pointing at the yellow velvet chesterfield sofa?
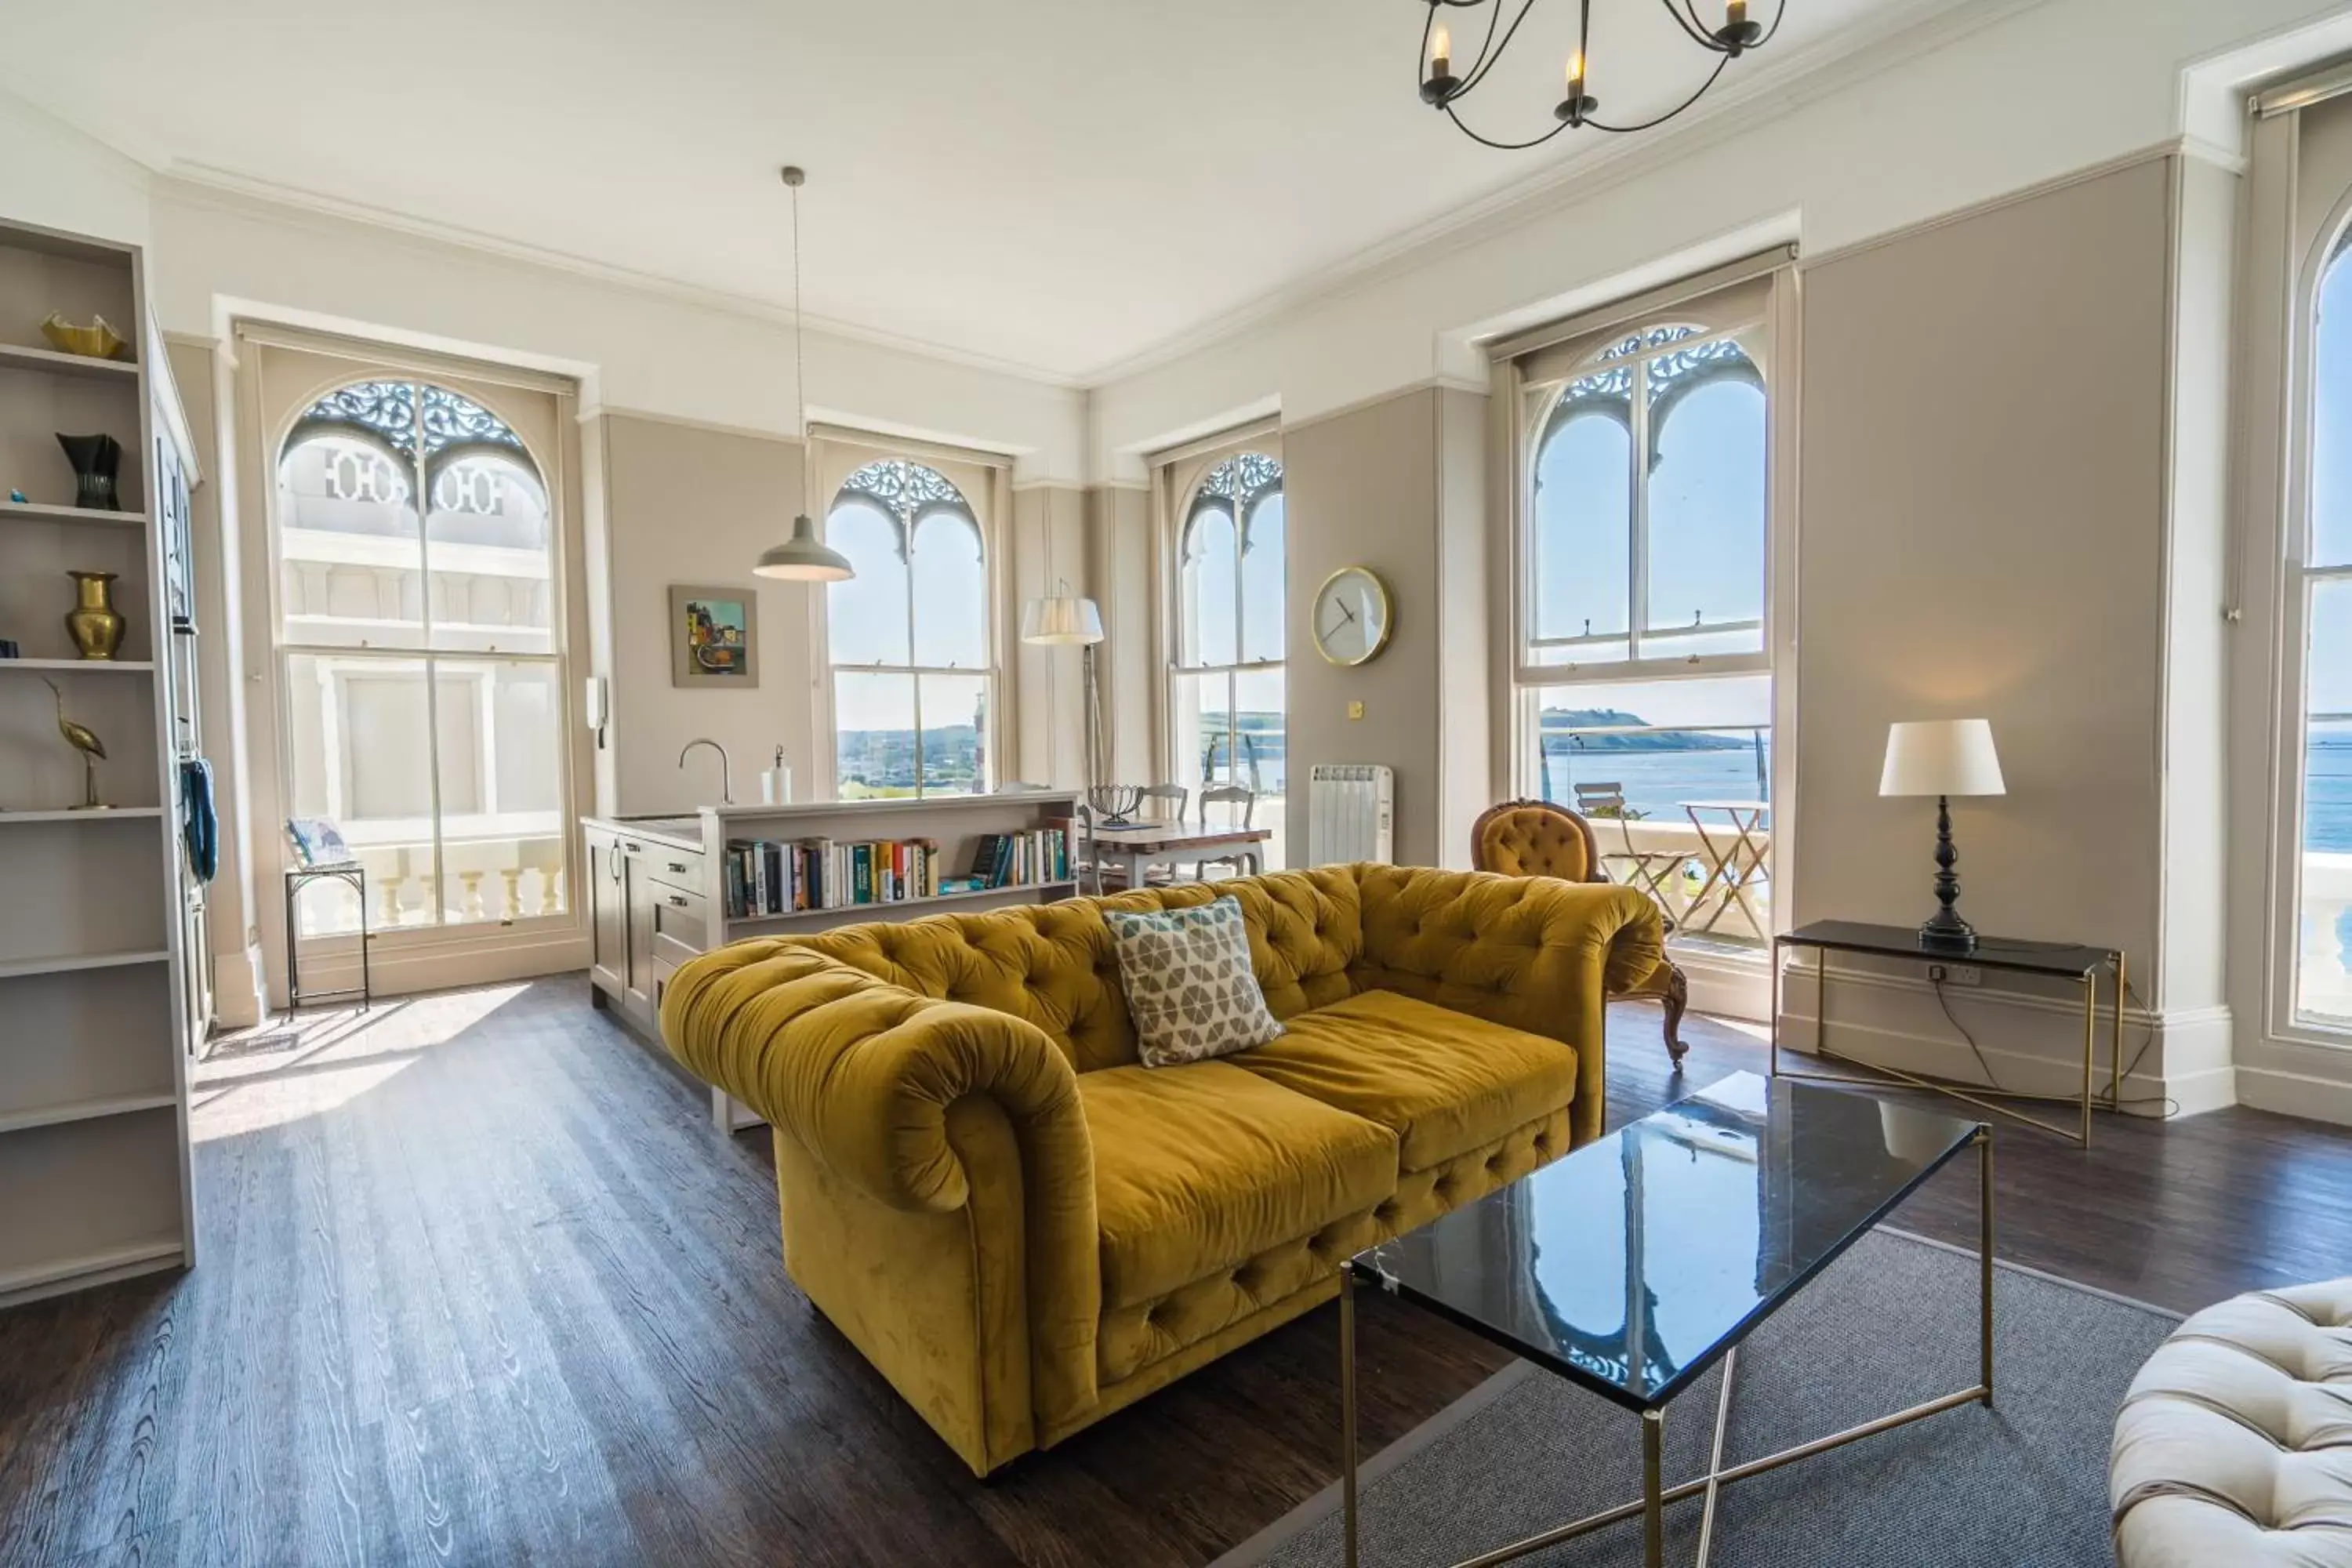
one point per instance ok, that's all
(1024, 1229)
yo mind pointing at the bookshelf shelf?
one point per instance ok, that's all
(20, 356)
(1058, 889)
(111, 814)
(78, 666)
(96, 1267)
(88, 517)
(84, 1109)
(74, 963)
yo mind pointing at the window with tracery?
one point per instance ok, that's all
(1643, 518)
(914, 678)
(1227, 701)
(421, 669)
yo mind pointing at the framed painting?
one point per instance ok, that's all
(714, 637)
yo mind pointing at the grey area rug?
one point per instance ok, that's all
(1891, 1323)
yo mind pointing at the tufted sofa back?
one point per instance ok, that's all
(1052, 964)
(1315, 937)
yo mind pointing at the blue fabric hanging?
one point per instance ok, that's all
(199, 823)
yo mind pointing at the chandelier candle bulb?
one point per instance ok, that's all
(1441, 52)
(1576, 70)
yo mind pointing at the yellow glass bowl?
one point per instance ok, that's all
(97, 340)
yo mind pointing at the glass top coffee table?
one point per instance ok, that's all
(1633, 1265)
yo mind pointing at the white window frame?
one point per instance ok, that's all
(338, 660)
(1759, 299)
(1181, 769)
(1747, 325)
(2291, 717)
(999, 734)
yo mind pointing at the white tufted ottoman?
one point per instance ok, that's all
(2234, 1447)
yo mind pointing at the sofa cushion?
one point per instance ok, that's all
(1188, 987)
(1202, 1167)
(1442, 1081)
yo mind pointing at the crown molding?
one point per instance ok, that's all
(228, 190)
(1900, 32)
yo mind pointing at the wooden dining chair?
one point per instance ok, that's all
(1247, 862)
(1538, 838)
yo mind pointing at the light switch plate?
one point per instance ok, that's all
(1356, 708)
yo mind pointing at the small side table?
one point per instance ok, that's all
(2057, 960)
(353, 875)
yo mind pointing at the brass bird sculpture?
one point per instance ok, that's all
(83, 740)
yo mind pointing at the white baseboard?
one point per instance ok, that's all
(443, 965)
(1726, 984)
(2295, 1094)
(240, 987)
(2175, 1063)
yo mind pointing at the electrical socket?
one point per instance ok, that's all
(1956, 974)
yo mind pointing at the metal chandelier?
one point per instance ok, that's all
(1443, 88)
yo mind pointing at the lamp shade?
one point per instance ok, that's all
(1941, 756)
(1063, 620)
(803, 558)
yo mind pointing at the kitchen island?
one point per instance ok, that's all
(659, 893)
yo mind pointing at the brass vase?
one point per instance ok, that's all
(95, 624)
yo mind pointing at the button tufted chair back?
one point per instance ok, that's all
(1535, 839)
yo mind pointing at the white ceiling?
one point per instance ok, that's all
(1060, 184)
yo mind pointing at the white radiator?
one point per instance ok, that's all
(1351, 813)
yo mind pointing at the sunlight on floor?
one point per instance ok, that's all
(315, 1061)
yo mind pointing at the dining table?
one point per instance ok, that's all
(1135, 849)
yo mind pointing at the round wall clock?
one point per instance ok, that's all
(1352, 618)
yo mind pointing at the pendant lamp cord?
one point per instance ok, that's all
(799, 362)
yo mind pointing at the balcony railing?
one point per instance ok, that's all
(2326, 972)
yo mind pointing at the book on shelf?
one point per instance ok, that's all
(1026, 859)
(768, 877)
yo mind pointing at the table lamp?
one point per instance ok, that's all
(1942, 757)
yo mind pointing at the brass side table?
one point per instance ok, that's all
(2050, 959)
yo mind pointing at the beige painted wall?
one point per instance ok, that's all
(1051, 551)
(686, 504)
(1122, 542)
(1361, 488)
(1982, 483)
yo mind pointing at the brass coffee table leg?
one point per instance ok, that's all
(1347, 1405)
(1653, 1507)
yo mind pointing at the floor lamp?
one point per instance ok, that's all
(1063, 619)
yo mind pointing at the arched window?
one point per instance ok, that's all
(1644, 677)
(419, 660)
(913, 677)
(1227, 702)
(2320, 593)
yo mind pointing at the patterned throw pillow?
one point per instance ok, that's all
(1188, 981)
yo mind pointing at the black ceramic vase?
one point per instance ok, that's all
(96, 460)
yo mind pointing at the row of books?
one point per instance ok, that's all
(772, 876)
(1020, 860)
(775, 876)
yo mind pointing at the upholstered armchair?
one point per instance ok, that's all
(1538, 838)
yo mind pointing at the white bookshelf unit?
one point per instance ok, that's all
(956, 823)
(94, 1031)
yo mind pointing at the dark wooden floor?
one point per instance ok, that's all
(478, 1284)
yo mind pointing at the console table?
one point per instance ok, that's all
(2054, 960)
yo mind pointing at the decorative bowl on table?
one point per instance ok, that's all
(1114, 803)
(96, 341)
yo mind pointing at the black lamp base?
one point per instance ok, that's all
(1935, 935)
(1945, 930)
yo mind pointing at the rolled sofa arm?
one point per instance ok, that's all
(975, 1286)
(861, 1072)
(1533, 952)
